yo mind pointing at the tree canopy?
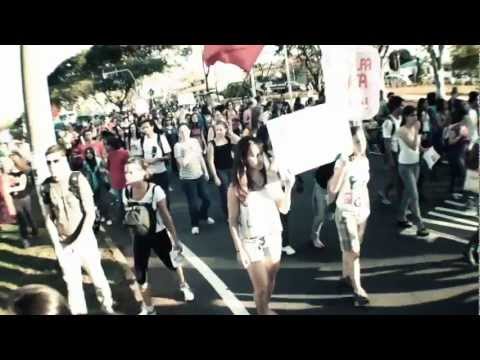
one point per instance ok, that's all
(110, 69)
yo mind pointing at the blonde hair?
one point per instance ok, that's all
(143, 165)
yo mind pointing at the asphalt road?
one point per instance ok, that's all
(402, 273)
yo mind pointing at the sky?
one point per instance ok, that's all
(50, 56)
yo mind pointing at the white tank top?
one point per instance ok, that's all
(259, 216)
(408, 156)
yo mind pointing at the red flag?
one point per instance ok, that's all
(243, 56)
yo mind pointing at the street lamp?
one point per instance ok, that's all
(106, 75)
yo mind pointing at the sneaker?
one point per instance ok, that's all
(25, 243)
(148, 310)
(187, 292)
(423, 232)
(170, 189)
(195, 230)
(457, 196)
(109, 222)
(318, 244)
(210, 221)
(108, 309)
(288, 250)
(404, 224)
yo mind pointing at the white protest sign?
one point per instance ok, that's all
(309, 138)
(186, 99)
(314, 136)
(431, 157)
(141, 107)
(366, 85)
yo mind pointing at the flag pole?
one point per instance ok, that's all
(287, 69)
(252, 80)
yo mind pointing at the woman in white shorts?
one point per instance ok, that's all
(255, 198)
(349, 181)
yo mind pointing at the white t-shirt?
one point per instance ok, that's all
(153, 150)
(387, 130)
(193, 170)
(158, 196)
(472, 125)
(353, 196)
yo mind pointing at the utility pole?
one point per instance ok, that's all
(287, 69)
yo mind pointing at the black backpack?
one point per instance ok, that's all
(159, 142)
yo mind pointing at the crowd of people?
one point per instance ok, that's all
(134, 157)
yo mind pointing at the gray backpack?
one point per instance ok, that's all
(140, 217)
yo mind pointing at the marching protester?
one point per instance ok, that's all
(255, 198)
(263, 139)
(220, 160)
(348, 186)
(156, 151)
(193, 177)
(117, 159)
(319, 201)
(389, 129)
(153, 229)
(21, 190)
(409, 169)
(71, 215)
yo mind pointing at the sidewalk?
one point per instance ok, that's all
(38, 265)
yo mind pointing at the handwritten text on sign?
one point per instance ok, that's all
(369, 81)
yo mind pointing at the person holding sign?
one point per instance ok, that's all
(255, 198)
(409, 168)
(349, 186)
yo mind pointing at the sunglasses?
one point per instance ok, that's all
(50, 162)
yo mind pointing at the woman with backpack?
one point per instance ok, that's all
(153, 229)
(348, 186)
(220, 160)
(21, 189)
(255, 200)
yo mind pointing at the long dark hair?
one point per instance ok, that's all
(242, 182)
(420, 107)
(91, 162)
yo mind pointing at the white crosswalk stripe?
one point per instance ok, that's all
(449, 224)
(453, 218)
(457, 212)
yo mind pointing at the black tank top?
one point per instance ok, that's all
(223, 155)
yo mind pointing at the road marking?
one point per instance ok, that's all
(453, 218)
(446, 236)
(303, 296)
(447, 224)
(455, 203)
(235, 305)
(458, 212)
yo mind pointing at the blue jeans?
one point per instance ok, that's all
(225, 177)
(196, 190)
(409, 175)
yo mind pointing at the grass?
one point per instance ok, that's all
(38, 265)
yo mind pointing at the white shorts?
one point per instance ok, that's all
(258, 249)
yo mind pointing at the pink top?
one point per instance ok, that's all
(117, 160)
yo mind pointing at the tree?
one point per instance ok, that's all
(466, 58)
(309, 56)
(83, 75)
(436, 53)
